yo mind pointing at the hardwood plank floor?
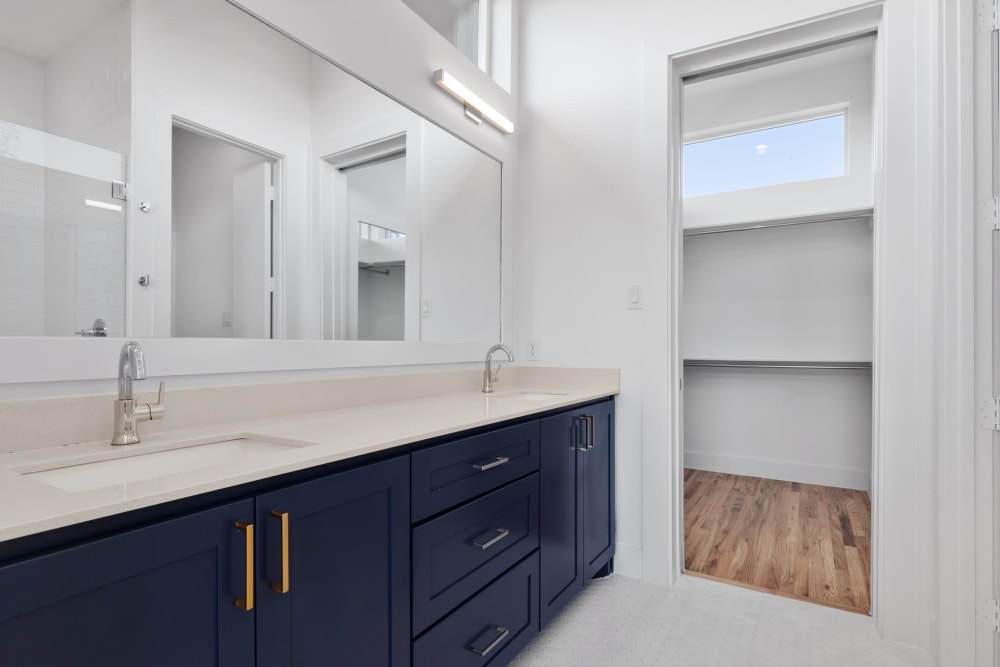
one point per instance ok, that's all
(798, 540)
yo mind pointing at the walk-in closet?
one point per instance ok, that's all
(777, 325)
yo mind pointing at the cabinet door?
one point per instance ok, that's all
(348, 561)
(560, 521)
(599, 490)
(160, 595)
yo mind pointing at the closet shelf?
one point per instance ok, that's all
(779, 363)
(838, 216)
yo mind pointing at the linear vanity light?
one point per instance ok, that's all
(459, 91)
(99, 204)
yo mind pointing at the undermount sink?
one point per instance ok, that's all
(228, 453)
(536, 395)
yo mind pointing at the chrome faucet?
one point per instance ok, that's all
(490, 376)
(131, 367)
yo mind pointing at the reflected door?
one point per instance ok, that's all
(252, 267)
(222, 231)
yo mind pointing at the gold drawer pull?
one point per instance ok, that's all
(246, 603)
(489, 465)
(493, 644)
(282, 586)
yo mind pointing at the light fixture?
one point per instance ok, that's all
(99, 204)
(473, 103)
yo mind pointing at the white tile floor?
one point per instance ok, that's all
(699, 623)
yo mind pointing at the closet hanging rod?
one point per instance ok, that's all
(787, 222)
(794, 365)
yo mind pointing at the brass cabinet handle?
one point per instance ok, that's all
(498, 461)
(246, 603)
(282, 586)
(493, 644)
(490, 537)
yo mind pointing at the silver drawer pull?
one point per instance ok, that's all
(493, 644)
(498, 534)
(498, 461)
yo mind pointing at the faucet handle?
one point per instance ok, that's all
(156, 410)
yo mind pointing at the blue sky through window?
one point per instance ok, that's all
(787, 154)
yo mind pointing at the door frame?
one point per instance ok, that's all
(987, 292)
(922, 367)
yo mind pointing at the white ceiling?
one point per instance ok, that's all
(39, 29)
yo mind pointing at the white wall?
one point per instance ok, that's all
(797, 293)
(460, 218)
(804, 426)
(380, 189)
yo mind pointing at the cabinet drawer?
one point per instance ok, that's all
(458, 553)
(449, 474)
(491, 628)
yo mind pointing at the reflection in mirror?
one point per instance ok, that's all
(64, 131)
(381, 281)
(242, 144)
(376, 200)
(222, 229)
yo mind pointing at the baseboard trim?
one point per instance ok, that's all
(844, 478)
(628, 561)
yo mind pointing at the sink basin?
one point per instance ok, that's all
(226, 454)
(535, 396)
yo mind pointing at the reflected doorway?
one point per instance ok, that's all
(222, 238)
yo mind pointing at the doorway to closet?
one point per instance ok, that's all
(777, 324)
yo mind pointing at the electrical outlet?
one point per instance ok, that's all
(532, 352)
(227, 318)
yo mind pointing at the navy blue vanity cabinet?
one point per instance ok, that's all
(476, 504)
(334, 570)
(577, 502)
(163, 595)
(491, 628)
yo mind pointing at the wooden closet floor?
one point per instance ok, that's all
(798, 540)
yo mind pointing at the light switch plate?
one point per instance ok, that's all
(634, 297)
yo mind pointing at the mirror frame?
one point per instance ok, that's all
(417, 51)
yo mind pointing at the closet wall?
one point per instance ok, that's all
(799, 294)
(777, 320)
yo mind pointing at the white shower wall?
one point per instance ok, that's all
(63, 264)
(22, 203)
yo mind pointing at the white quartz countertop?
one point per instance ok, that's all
(29, 505)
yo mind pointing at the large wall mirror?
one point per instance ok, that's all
(270, 193)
